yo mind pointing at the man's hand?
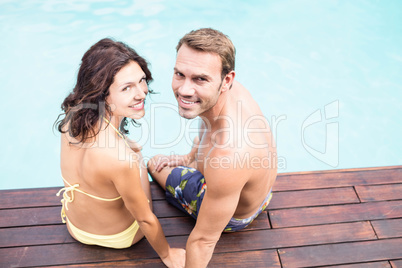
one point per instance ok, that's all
(172, 161)
(178, 160)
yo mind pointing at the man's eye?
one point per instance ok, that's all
(201, 79)
(179, 74)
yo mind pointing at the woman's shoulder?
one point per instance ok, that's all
(112, 157)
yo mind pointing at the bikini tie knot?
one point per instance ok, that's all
(66, 199)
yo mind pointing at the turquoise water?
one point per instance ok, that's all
(327, 75)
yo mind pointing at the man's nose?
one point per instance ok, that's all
(186, 88)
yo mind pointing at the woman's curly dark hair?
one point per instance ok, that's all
(86, 105)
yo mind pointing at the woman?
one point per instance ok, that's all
(107, 198)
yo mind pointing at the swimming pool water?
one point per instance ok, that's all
(326, 74)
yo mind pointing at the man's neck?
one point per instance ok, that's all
(211, 116)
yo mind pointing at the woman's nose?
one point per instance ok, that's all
(140, 94)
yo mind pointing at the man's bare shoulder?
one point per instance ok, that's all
(240, 89)
(222, 172)
(243, 95)
(225, 159)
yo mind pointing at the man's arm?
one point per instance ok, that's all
(224, 185)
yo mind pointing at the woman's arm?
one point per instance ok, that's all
(126, 178)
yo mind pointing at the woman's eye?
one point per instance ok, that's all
(143, 79)
(126, 88)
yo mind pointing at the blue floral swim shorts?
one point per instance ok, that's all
(185, 189)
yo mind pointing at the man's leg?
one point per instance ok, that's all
(186, 185)
(161, 176)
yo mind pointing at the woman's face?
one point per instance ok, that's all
(128, 91)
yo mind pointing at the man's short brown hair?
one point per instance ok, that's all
(212, 41)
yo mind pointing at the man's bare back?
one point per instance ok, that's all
(242, 131)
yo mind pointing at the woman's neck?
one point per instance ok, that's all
(115, 121)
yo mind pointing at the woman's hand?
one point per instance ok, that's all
(176, 258)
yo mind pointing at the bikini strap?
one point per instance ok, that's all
(117, 131)
(69, 199)
(121, 135)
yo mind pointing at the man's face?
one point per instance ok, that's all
(196, 81)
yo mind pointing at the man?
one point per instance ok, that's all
(227, 178)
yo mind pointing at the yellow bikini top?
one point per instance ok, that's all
(69, 199)
(71, 188)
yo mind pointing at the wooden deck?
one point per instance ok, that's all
(339, 218)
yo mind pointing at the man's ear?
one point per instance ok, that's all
(228, 81)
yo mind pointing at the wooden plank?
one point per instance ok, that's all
(368, 193)
(286, 181)
(69, 254)
(35, 235)
(43, 197)
(25, 198)
(317, 180)
(396, 264)
(333, 214)
(57, 234)
(307, 198)
(163, 209)
(263, 258)
(259, 223)
(46, 235)
(334, 254)
(177, 226)
(157, 192)
(51, 215)
(292, 237)
(383, 264)
(342, 170)
(30, 216)
(77, 253)
(147, 263)
(388, 228)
